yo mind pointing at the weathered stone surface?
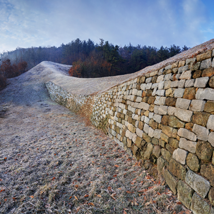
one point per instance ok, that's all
(157, 133)
(204, 150)
(181, 63)
(166, 155)
(175, 122)
(151, 132)
(183, 69)
(170, 180)
(156, 151)
(162, 110)
(139, 132)
(153, 124)
(189, 93)
(157, 118)
(182, 103)
(131, 128)
(169, 92)
(209, 106)
(184, 115)
(173, 142)
(143, 105)
(211, 138)
(197, 105)
(208, 72)
(193, 162)
(191, 60)
(167, 130)
(162, 143)
(189, 126)
(171, 110)
(164, 137)
(140, 125)
(205, 64)
(155, 141)
(187, 145)
(201, 82)
(207, 170)
(199, 206)
(187, 134)
(146, 138)
(160, 78)
(170, 101)
(186, 75)
(198, 183)
(189, 83)
(160, 164)
(197, 74)
(205, 94)
(178, 92)
(184, 193)
(148, 151)
(204, 56)
(151, 100)
(211, 195)
(177, 169)
(195, 66)
(165, 120)
(180, 155)
(138, 142)
(210, 122)
(211, 82)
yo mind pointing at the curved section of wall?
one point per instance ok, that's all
(167, 117)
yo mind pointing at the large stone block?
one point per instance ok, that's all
(143, 105)
(178, 92)
(189, 93)
(198, 183)
(197, 74)
(173, 142)
(208, 72)
(157, 118)
(184, 193)
(201, 132)
(204, 150)
(186, 75)
(166, 154)
(180, 155)
(189, 83)
(211, 82)
(205, 94)
(177, 169)
(201, 82)
(160, 164)
(175, 122)
(211, 195)
(211, 138)
(167, 130)
(184, 115)
(197, 105)
(187, 134)
(210, 122)
(193, 162)
(187, 145)
(156, 151)
(204, 56)
(209, 106)
(199, 206)
(207, 170)
(139, 132)
(182, 103)
(170, 101)
(206, 64)
(170, 180)
(160, 78)
(157, 133)
(148, 151)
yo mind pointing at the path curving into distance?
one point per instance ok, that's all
(52, 162)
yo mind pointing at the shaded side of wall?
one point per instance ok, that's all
(166, 117)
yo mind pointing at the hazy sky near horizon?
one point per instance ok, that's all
(27, 23)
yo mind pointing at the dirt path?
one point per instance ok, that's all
(51, 162)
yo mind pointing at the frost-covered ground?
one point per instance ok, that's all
(51, 162)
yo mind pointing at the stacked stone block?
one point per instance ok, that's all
(167, 116)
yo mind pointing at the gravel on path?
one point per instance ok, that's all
(52, 162)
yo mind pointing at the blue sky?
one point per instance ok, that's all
(27, 23)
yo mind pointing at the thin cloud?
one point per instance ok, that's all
(160, 22)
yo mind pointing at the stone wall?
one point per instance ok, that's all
(164, 116)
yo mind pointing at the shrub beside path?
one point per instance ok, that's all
(52, 162)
